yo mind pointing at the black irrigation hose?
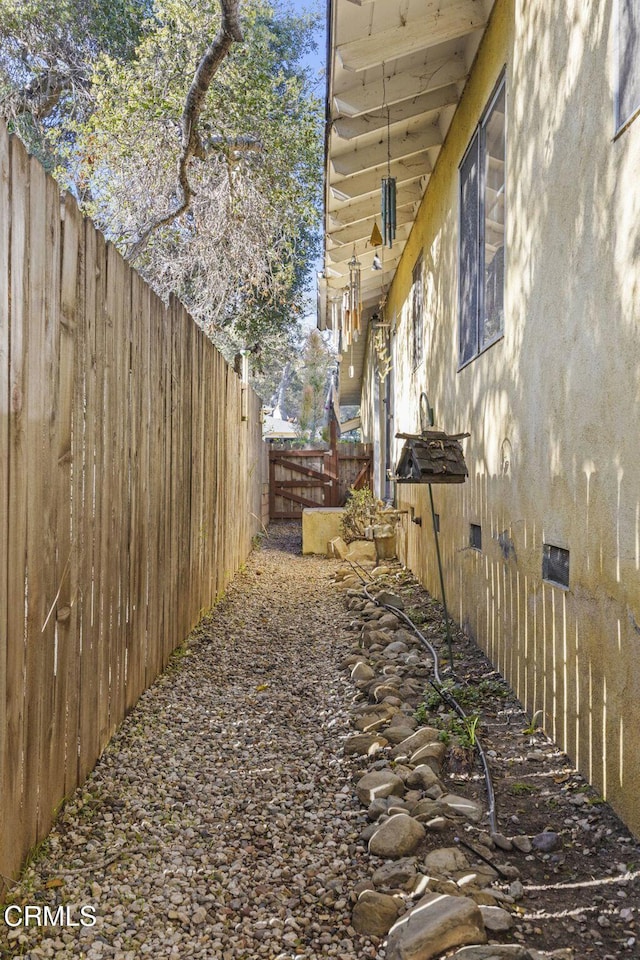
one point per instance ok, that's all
(442, 692)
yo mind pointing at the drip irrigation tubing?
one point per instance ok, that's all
(438, 686)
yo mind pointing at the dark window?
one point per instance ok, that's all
(418, 312)
(555, 565)
(482, 233)
(475, 536)
(469, 253)
(628, 98)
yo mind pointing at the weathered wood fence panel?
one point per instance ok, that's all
(130, 490)
(315, 478)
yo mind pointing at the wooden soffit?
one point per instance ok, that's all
(395, 74)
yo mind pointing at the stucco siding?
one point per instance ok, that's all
(553, 407)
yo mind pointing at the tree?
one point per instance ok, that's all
(48, 49)
(198, 158)
(238, 255)
(191, 142)
(316, 363)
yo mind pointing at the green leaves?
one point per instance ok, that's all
(239, 259)
(99, 95)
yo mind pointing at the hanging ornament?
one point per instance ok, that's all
(376, 241)
(388, 192)
(346, 317)
(376, 237)
(388, 210)
(335, 318)
(355, 296)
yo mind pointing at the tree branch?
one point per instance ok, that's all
(229, 32)
(39, 98)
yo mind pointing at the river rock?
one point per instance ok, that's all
(397, 837)
(390, 600)
(436, 824)
(374, 913)
(521, 843)
(377, 807)
(364, 744)
(445, 861)
(493, 951)
(420, 738)
(496, 919)
(401, 873)
(389, 620)
(405, 720)
(396, 734)
(435, 924)
(462, 805)
(431, 753)
(382, 690)
(362, 672)
(546, 842)
(516, 890)
(377, 784)
(396, 647)
(502, 842)
(426, 809)
(422, 778)
(369, 722)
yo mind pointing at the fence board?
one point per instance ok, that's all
(121, 467)
(155, 501)
(40, 560)
(124, 467)
(136, 479)
(102, 505)
(128, 492)
(66, 687)
(16, 842)
(5, 760)
(331, 471)
(74, 624)
(174, 476)
(167, 601)
(88, 576)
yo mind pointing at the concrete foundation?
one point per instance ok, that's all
(319, 526)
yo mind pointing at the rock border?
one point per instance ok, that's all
(426, 898)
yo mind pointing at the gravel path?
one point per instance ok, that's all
(220, 822)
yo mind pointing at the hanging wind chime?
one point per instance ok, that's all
(388, 211)
(346, 318)
(354, 296)
(388, 197)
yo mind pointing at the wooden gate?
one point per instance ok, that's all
(315, 478)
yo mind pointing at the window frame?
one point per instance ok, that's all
(478, 142)
(621, 123)
(417, 315)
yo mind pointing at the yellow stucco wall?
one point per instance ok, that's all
(553, 408)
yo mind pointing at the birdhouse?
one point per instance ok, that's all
(431, 457)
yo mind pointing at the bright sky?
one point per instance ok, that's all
(316, 63)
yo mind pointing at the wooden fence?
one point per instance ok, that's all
(130, 489)
(316, 478)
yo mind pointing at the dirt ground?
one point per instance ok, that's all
(256, 849)
(583, 894)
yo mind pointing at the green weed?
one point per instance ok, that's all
(420, 713)
(533, 726)
(518, 789)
